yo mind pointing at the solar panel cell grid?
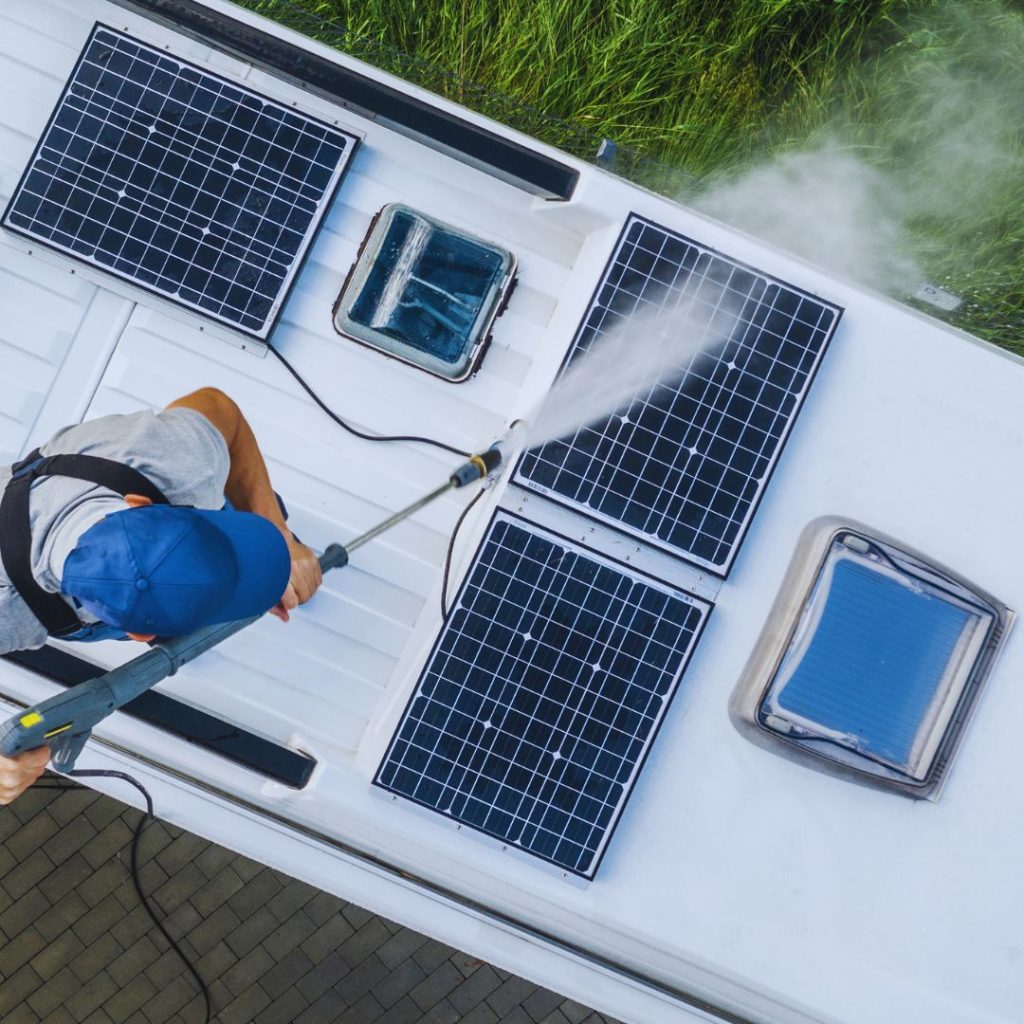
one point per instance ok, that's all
(683, 465)
(542, 695)
(180, 181)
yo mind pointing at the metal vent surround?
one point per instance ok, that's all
(180, 182)
(543, 694)
(683, 466)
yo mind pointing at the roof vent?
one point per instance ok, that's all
(870, 662)
(425, 292)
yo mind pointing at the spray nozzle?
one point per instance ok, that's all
(511, 441)
(476, 467)
(489, 462)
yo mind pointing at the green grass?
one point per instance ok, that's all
(925, 92)
(689, 83)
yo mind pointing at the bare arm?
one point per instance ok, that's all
(248, 488)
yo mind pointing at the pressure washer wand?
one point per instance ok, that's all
(66, 720)
(476, 467)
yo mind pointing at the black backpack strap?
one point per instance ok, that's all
(56, 615)
(115, 476)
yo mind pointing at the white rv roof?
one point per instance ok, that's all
(750, 883)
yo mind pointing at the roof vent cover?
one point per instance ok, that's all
(425, 292)
(870, 662)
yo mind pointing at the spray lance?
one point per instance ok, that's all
(66, 720)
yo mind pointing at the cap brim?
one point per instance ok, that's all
(264, 562)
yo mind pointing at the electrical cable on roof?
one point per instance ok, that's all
(359, 433)
(445, 610)
(398, 437)
(147, 817)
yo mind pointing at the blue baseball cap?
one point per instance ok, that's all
(169, 570)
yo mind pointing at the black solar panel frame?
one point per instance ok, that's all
(704, 608)
(352, 141)
(722, 571)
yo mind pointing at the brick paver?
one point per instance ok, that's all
(76, 948)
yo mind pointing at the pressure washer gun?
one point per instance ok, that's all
(66, 721)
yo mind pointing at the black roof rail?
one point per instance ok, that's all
(459, 137)
(200, 728)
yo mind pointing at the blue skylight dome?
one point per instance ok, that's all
(878, 671)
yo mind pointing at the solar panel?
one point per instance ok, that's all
(542, 695)
(180, 181)
(683, 466)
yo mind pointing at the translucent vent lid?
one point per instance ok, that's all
(424, 292)
(878, 666)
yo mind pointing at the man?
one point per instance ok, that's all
(143, 525)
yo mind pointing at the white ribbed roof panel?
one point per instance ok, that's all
(776, 892)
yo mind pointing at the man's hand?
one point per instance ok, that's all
(18, 773)
(306, 577)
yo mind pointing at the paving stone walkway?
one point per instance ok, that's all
(76, 947)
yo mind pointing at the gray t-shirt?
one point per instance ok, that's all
(180, 450)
